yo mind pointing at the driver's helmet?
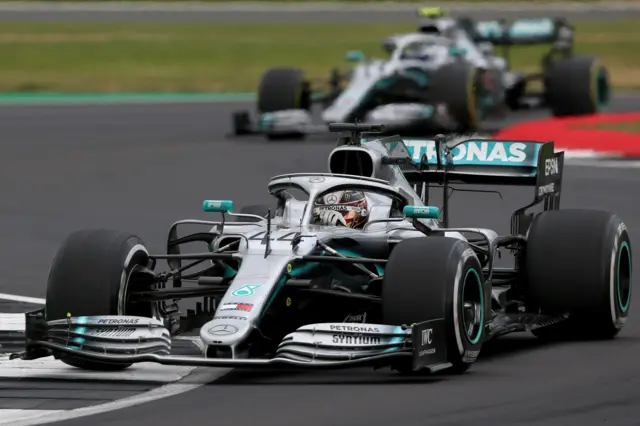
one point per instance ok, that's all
(346, 208)
(418, 51)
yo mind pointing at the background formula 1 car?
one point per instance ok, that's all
(446, 77)
(405, 291)
(571, 85)
(427, 85)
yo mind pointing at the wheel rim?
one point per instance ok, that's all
(483, 99)
(473, 103)
(601, 88)
(623, 279)
(472, 306)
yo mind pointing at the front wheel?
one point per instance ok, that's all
(438, 277)
(283, 89)
(91, 276)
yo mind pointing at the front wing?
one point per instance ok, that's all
(407, 119)
(120, 339)
(293, 123)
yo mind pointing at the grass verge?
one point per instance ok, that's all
(626, 126)
(325, 1)
(154, 57)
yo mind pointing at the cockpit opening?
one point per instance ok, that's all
(429, 28)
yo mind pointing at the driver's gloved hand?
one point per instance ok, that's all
(331, 218)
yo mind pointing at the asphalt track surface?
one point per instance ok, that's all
(318, 12)
(141, 167)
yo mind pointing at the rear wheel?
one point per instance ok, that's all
(577, 86)
(91, 276)
(579, 263)
(429, 278)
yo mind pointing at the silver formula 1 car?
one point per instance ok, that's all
(353, 266)
(445, 77)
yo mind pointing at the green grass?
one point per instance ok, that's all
(101, 57)
(628, 126)
(325, 1)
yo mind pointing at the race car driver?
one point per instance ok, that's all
(342, 208)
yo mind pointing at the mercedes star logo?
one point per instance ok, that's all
(223, 330)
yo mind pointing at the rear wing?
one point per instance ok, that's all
(443, 161)
(519, 32)
(482, 162)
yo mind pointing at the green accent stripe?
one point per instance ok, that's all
(476, 338)
(624, 306)
(79, 98)
(11, 98)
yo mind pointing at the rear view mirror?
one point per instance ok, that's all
(217, 206)
(421, 212)
(457, 51)
(355, 56)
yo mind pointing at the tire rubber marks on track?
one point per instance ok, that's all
(171, 380)
(50, 368)
(22, 299)
(191, 381)
(26, 417)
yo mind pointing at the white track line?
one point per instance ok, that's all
(178, 380)
(22, 299)
(181, 379)
(8, 417)
(199, 377)
(12, 322)
(49, 368)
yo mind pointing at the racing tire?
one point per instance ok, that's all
(454, 85)
(578, 262)
(241, 123)
(420, 275)
(577, 86)
(89, 277)
(283, 89)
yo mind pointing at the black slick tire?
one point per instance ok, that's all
(429, 278)
(579, 262)
(577, 86)
(455, 86)
(89, 276)
(282, 89)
